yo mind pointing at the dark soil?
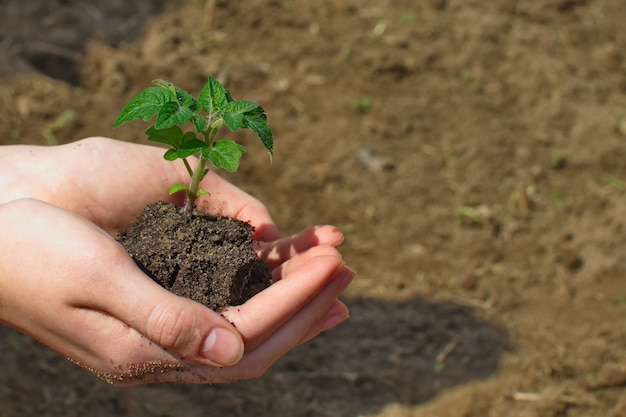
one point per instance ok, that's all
(208, 259)
(50, 36)
(472, 152)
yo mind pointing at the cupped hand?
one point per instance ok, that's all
(109, 182)
(67, 282)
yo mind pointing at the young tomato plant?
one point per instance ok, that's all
(214, 107)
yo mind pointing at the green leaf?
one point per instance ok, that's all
(190, 145)
(233, 120)
(199, 123)
(202, 192)
(167, 86)
(183, 145)
(143, 106)
(178, 187)
(170, 155)
(213, 97)
(439, 367)
(241, 106)
(256, 121)
(204, 98)
(172, 114)
(184, 98)
(225, 154)
(171, 136)
(234, 113)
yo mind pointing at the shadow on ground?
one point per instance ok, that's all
(387, 352)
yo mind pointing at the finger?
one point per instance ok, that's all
(321, 313)
(290, 335)
(119, 353)
(165, 368)
(336, 314)
(267, 311)
(279, 251)
(108, 348)
(182, 327)
(296, 330)
(287, 269)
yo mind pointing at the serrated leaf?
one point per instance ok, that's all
(257, 122)
(199, 123)
(241, 106)
(213, 97)
(233, 120)
(171, 136)
(204, 98)
(225, 154)
(167, 86)
(172, 114)
(178, 187)
(195, 106)
(143, 106)
(234, 113)
(184, 98)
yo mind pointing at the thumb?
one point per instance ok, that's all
(190, 330)
(179, 325)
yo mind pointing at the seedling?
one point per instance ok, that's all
(558, 162)
(362, 105)
(214, 107)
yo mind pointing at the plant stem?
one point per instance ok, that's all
(194, 185)
(189, 170)
(198, 172)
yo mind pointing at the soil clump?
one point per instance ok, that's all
(205, 258)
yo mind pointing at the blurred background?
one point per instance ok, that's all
(474, 154)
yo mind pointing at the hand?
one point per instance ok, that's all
(72, 286)
(109, 182)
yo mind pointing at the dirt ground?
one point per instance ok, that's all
(473, 152)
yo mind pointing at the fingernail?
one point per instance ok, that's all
(222, 347)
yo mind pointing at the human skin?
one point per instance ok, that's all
(66, 281)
